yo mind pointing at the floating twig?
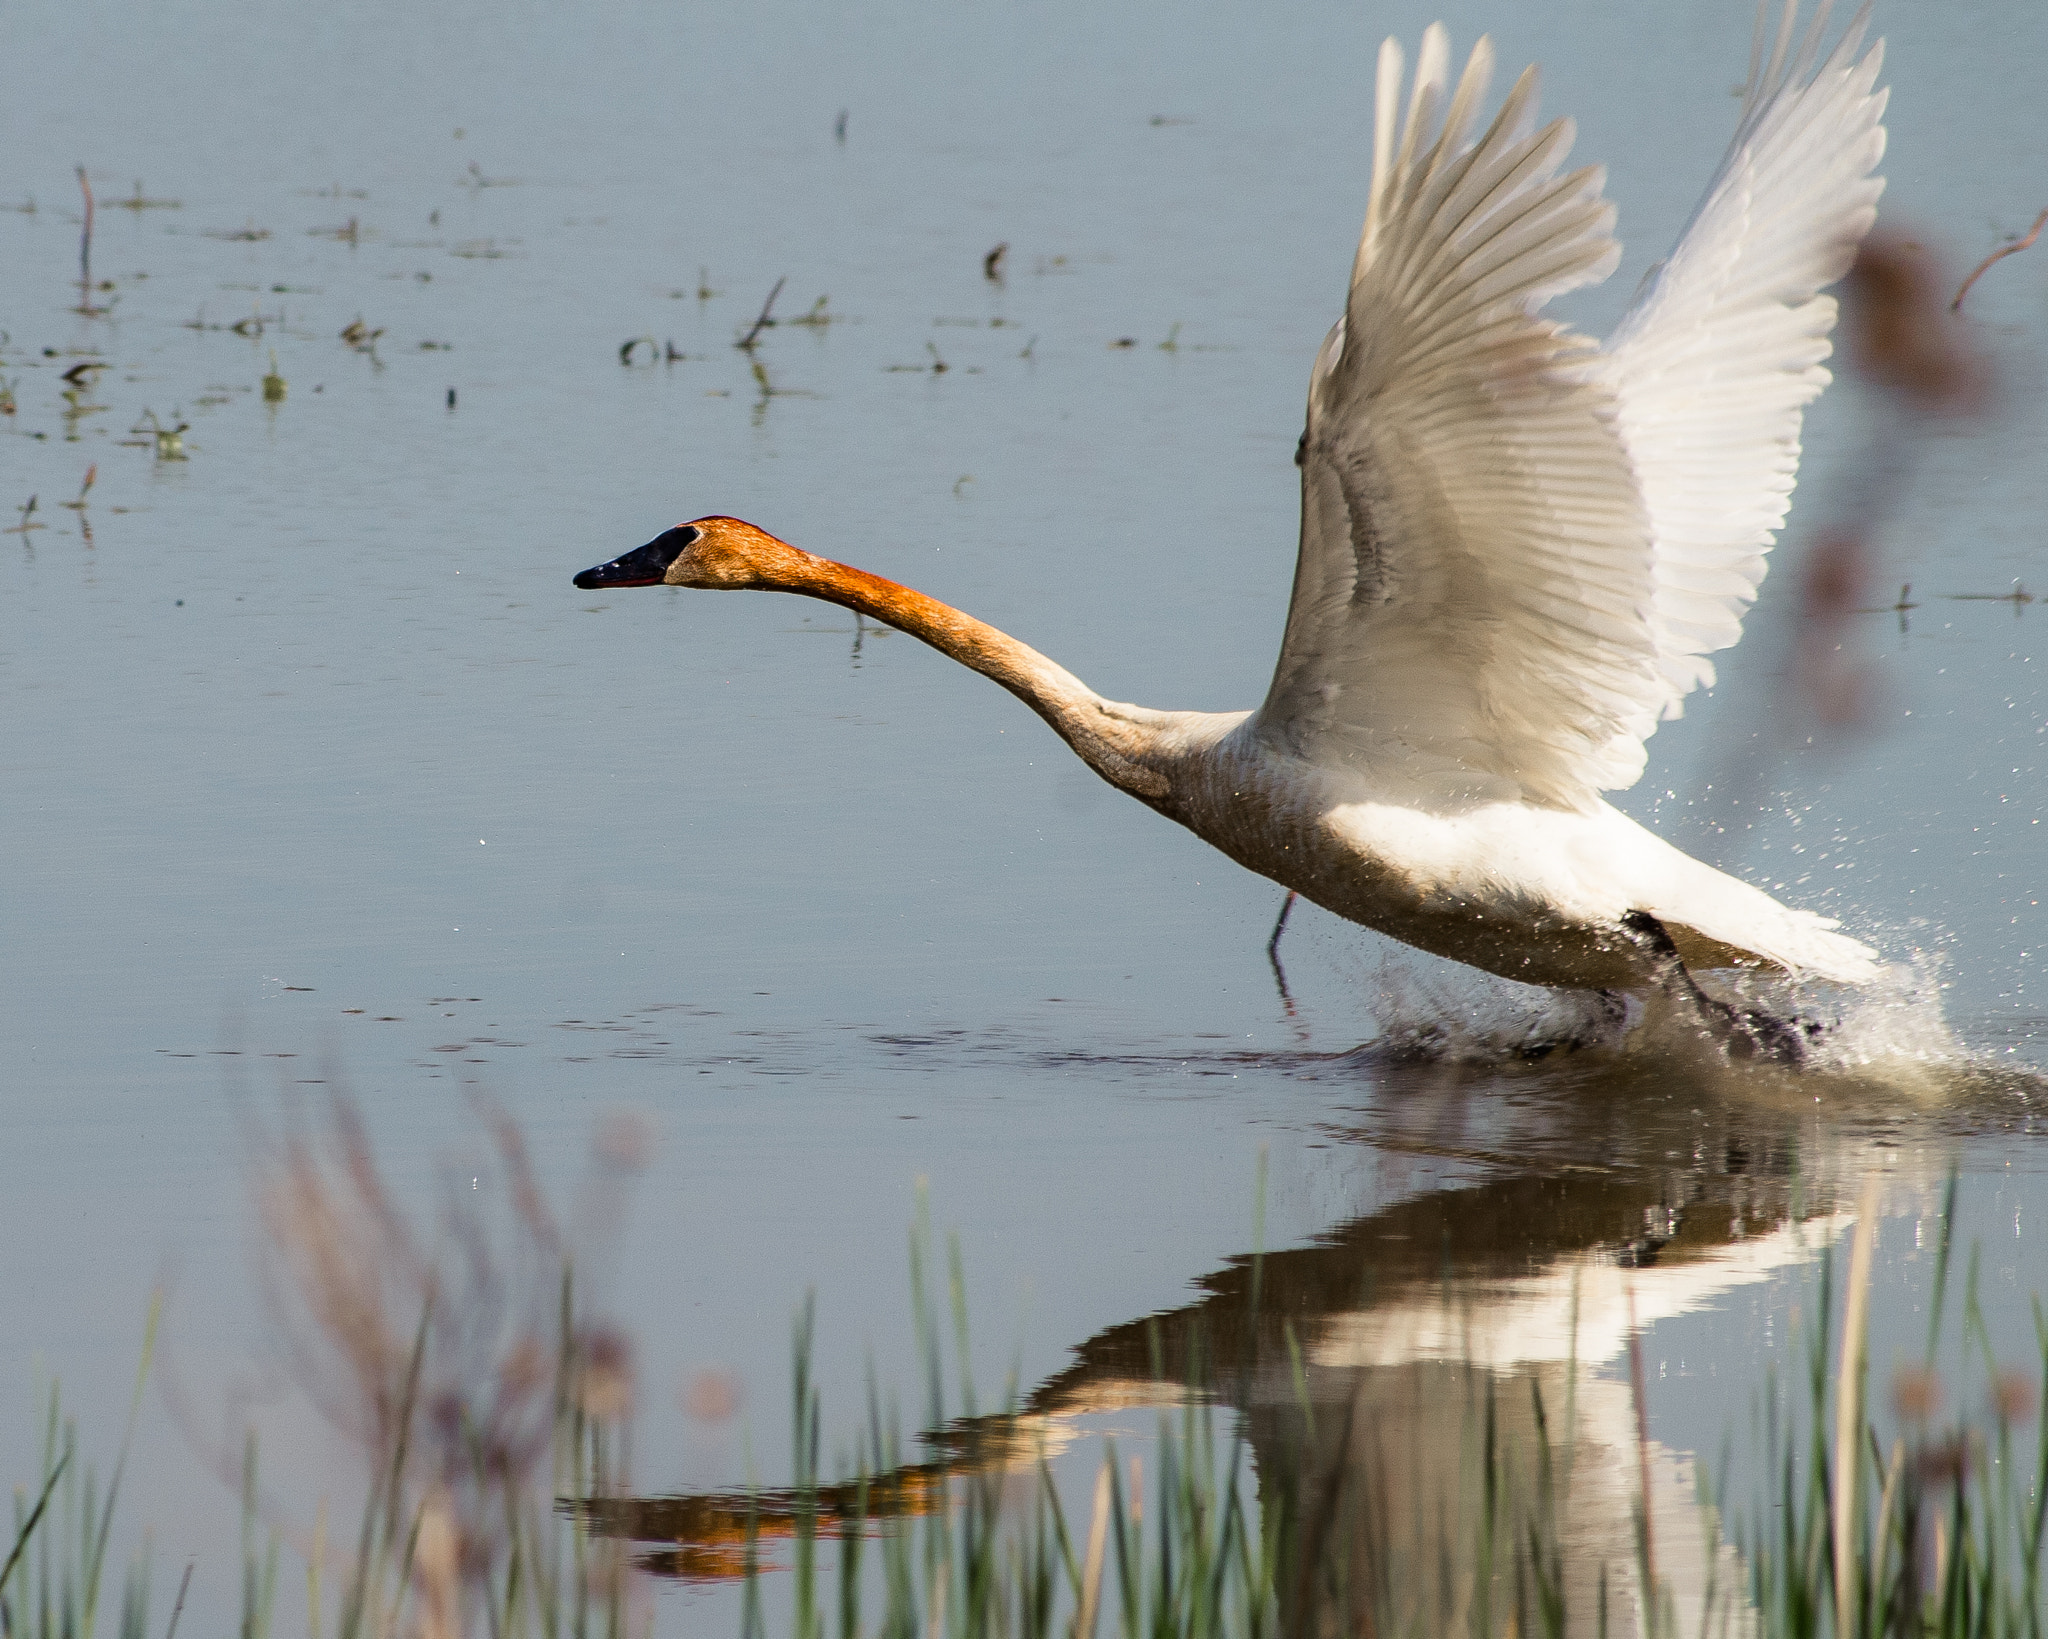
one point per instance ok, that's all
(76, 405)
(746, 343)
(85, 243)
(1902, 608)
(27, 523)
(168, 442)
(361, 337)
(1998, 255)
(78, 506)
(2018, 597)
(138, 202)
(85, 301)
(768, 391)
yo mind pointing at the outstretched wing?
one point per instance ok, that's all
(1472, 600)
(1716, 360)
(1485, 603)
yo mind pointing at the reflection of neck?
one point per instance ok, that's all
(1113, 740)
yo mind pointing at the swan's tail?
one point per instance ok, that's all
(1798, 943)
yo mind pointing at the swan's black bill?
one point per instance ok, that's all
(644, 565)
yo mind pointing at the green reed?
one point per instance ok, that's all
(1939, 1538)
(51, 1579)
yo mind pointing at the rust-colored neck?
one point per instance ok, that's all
(1113, 740)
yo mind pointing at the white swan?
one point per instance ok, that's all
(1517, 548)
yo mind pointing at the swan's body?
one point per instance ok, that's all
(1517, 548)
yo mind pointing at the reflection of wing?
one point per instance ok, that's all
(1485, 600)
(1722, 350)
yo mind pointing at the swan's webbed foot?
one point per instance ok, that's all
(1745, 1034)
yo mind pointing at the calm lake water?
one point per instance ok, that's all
(318, 772)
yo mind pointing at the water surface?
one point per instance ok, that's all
(318, 769)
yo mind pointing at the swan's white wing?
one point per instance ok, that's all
(1473, 600)
(1720, 353)
(1516, 550)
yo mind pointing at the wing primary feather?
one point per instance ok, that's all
(1782, 46)
(1432, 64)
(1541, 153)
(1756, 54)
(1386, 107)
(1809, 48)
(1472, 85)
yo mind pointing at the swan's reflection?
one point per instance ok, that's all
(1372, 1368)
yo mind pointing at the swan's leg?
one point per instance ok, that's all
(1273, 953)
(1279, 927)
(1744, 1033)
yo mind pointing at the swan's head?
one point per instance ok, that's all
(722, 553)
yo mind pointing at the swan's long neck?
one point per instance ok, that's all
(1117, 741)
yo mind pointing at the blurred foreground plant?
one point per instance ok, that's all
(465, 1372)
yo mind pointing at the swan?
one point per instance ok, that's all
(1518, 547)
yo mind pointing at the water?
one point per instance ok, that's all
(319, 771)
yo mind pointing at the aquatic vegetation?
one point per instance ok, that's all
(54, 1592)
(478, 1391)
(1328, 1527)
(491, 1412)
